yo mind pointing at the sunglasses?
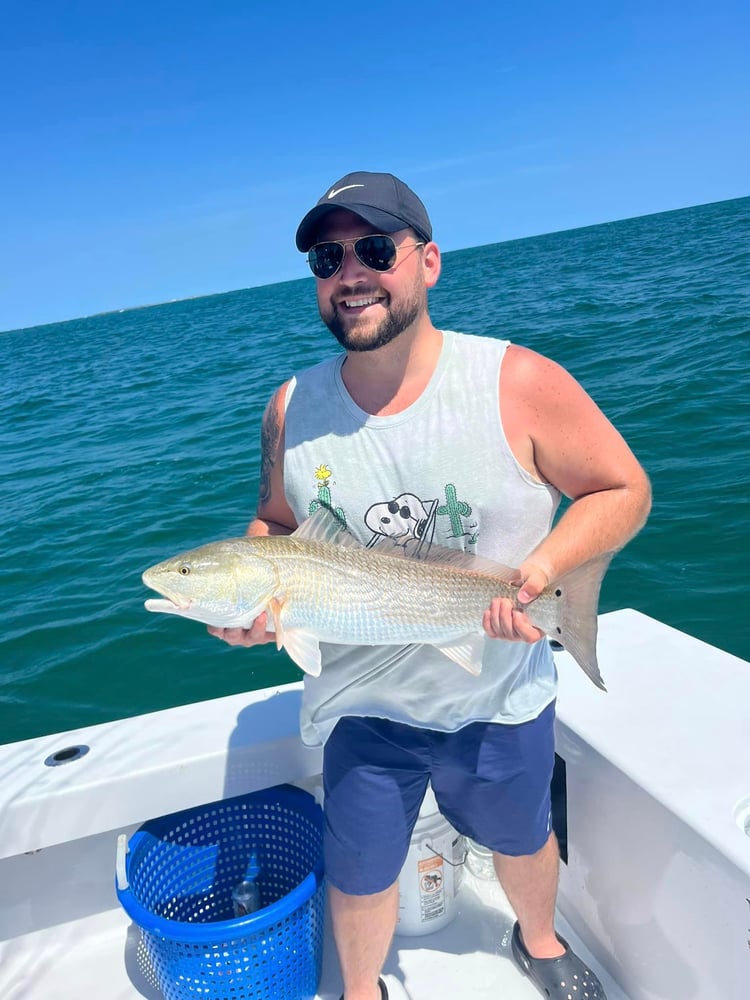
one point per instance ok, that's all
(378, 253)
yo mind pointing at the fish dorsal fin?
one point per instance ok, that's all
(455, 558)
(324, 526)
(466, 652)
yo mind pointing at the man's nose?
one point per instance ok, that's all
(351, 266)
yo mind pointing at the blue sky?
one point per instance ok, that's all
(156, 151)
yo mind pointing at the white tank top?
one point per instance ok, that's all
(441, 470)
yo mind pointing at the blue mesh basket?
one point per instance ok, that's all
(181, 870)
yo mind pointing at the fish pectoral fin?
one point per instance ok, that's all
(304, 649)
(275, 607)
(467, 652)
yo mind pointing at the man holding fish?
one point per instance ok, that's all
(420, 441)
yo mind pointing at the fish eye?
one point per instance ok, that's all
(184, 570)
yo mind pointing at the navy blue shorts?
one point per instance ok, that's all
(491, 782)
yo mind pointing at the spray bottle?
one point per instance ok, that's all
(246, 895)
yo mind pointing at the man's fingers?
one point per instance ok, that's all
(252, 636)
(502, 620)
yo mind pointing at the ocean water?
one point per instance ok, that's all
(127, 437)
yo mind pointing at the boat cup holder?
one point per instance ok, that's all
(742, 815)
(67, 755)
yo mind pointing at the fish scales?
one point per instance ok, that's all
(362, 597)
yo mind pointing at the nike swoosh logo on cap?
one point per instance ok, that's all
(334, 191)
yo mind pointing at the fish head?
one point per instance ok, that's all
(223, 583)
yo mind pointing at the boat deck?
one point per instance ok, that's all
(98, 958)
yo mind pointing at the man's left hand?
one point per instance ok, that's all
(504, 619)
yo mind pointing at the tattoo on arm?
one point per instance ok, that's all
(269, 443)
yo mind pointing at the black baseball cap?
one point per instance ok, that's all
(380, 199)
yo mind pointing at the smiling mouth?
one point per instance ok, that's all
(362, 301)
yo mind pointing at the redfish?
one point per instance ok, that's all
(320, 584)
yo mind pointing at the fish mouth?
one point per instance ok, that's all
(166, 604)
(167, 601)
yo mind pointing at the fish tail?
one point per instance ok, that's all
(577, 624)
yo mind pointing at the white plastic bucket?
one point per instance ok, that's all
(431, 876)
(479, 860)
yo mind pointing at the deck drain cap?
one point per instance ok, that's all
(66, 755)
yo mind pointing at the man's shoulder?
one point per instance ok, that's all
(536, 380)
(524, 363)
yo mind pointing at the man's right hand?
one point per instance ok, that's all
(253, 636)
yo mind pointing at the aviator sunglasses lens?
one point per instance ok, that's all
(376, 252)
(325, 259)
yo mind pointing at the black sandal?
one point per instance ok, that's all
(383, 990)
(562, 978)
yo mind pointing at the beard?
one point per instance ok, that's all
(354, 336)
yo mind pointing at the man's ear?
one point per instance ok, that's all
(431, 264)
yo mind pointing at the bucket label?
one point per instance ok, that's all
(431, 887)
